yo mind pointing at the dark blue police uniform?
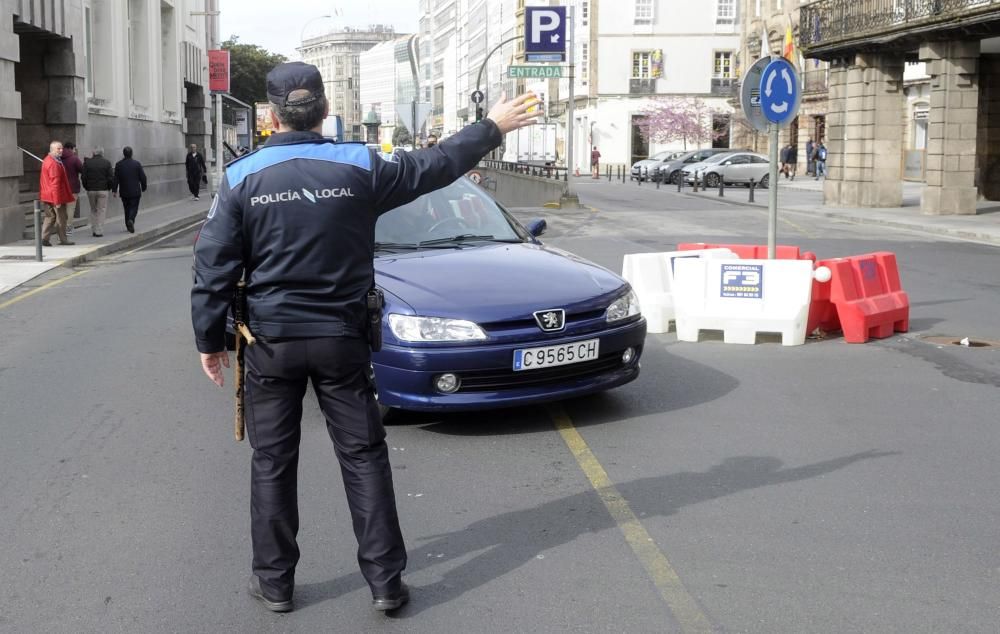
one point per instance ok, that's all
(297, 218)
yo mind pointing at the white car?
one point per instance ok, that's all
(739, 168)
(698, 169)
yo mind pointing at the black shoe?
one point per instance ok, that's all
(97, 235)
(392, 601)
(68, 243)
(271, 604)
(46, 243)
(130, 227)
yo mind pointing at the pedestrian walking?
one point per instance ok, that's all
(98, 177)
(820, 158)
(432, 140)
(810, 163)
(792, 159)
(73, 167)
(783, 158)
(194, 165)
(128, 184)
(307, 262)
(595, 163)
(55, 194)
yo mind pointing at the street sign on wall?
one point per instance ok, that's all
(545, 34)
(218, 71)
(750, 94)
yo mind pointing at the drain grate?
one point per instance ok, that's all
(969, 342)
(20, 258)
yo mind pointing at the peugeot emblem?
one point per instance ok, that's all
(551, 320)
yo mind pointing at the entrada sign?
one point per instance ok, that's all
(535, 72)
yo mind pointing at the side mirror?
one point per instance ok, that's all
(537, 227)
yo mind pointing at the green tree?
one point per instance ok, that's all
(401, 136)
(248, 68)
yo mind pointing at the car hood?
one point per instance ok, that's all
(495, 282)
(646, 163)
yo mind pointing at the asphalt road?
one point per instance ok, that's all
(821, 488)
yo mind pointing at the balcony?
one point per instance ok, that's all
(827, 27)
(642, 86)
(724, 87)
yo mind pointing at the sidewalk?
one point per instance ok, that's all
(17, 259)
(804, 195)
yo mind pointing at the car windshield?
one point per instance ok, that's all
(663, 156)
(717, 158)
(460, 213)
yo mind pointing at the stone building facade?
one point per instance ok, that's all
(337, 55)
(868, 44)
(101, 73)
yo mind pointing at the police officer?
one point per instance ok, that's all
(296, 220)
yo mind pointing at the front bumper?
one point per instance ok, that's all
(404, 376)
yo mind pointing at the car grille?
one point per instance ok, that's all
(490, 380)
(572, 321)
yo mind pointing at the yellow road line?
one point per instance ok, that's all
(683, 606)
(44, 287)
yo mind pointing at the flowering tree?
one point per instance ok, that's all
(679, 119)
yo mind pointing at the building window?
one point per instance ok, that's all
(169, 76)
(642, 64)
(723, 67)
(138, 58)
(643, 11)
(584, 12)
(725, 12)
(88, 47)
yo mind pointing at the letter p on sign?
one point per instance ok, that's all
(545, 30)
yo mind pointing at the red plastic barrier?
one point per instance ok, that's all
(864, 298)
(752, 251)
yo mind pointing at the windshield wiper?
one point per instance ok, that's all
(464, 237)
(385, 246)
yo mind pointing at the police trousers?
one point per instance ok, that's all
(277, 373)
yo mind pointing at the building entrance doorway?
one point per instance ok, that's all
(640, 140)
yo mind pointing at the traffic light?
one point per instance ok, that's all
(479, 113)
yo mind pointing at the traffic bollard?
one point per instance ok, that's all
(680, 183)
(722, 188)
(38, 230)
(609, 173)
(656, 177)
(753, 184)
(695, 188)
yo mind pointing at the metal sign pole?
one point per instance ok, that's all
(570, 43)
(772, 193)
(219, 163)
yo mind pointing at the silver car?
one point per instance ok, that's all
(647, 168)
(672, 171)
(739, 168)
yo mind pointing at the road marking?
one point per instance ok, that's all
(683, 606)
(41, 288)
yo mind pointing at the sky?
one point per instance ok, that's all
(278, 25)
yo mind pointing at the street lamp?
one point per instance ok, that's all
(308, 22)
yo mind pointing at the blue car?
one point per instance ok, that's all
(480, 314)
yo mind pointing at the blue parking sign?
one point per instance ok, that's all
(545, 30)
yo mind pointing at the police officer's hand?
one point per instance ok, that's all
(212, 364)
(513, 114)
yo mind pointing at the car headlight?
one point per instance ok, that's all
(622, 308)
(414, 328)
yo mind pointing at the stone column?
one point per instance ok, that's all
(11, 164)
(951, 142)
(864, 155)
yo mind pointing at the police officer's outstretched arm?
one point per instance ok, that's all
(411, 174)
(218, 266)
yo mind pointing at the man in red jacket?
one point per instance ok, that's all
(55, 194)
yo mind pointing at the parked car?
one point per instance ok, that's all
(481, 314)
(739, 168)
(697, 169)
(647, 168)
(670, 171)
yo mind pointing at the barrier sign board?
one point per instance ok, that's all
(218, 71)
(745, 281)
(535, 72)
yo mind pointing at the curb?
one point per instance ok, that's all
(133, 240)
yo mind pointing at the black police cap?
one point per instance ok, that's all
(284, 79)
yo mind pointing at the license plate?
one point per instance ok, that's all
(550, 356)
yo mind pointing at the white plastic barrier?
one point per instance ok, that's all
(744, 298)
(652, 278)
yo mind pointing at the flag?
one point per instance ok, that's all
(765, 46)
(789, 50)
